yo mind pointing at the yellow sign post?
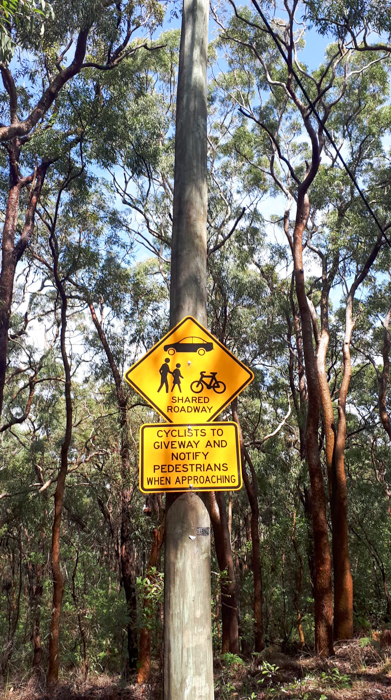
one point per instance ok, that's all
(189, 375)
(182, 457)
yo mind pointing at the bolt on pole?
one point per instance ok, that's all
(188, 659)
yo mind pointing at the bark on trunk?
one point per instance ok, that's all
(229, 607)
(252, 494)
(58, 578)
(299, 584)
(343, 583)
(8, 262)
(384, 377)
(144, 662)
(335, 448)
(305, 498)
(11, 252)
(34, 572)
(301, 405)
(82, 632)
(13, 611)
(322, 559)
(128, 568)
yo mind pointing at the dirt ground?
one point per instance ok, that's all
(358, 671)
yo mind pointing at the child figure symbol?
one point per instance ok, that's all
(177, 378)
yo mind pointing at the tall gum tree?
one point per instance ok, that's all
(148, 190)
(91, 293)
(294, 175)
(73, 234)
(54, 267)
(68, 46)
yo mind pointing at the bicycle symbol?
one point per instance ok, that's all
(215, 384)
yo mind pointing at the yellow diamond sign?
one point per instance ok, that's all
(189, 375)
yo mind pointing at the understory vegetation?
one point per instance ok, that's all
(299, 253)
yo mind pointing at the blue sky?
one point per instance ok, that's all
(312, 55)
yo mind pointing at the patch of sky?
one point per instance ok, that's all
(311, 55)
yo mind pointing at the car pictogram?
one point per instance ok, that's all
(190, 344)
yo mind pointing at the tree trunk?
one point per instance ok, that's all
(144, 662)
(35, 598)
(343, 583)
(301, 405)
(335, 447)
(12, 253)
(13, 611)
(229, 607)
(384, 376)
(299, 584)
(128, 569)
(252, 494)
(335, 450)
(8, 263)
(80, 619)
(323, 585)
(58, 578)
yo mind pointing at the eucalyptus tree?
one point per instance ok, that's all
(94, 37)
(120, 299)
(58, 272)
(375, 344)
(35, 476)
(20, 16)
(364, 25)
(145, 184)
(279, 109)
(125, 307)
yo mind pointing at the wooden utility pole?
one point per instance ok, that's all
(188, 661)
(188, 258)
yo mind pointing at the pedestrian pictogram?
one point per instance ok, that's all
(189, 375)
(181, 457)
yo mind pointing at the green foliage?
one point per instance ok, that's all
(268, 673)
(111, 135)
(231, 664)
(23, 16)
(150, 590)
(339, 17)
(335, 679)
(230, 660)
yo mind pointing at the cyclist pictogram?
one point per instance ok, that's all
(208, 381)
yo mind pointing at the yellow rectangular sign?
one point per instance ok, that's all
(197, 457)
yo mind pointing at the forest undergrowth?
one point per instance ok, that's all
(359, 670)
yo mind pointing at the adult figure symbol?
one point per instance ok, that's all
(164, 372)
